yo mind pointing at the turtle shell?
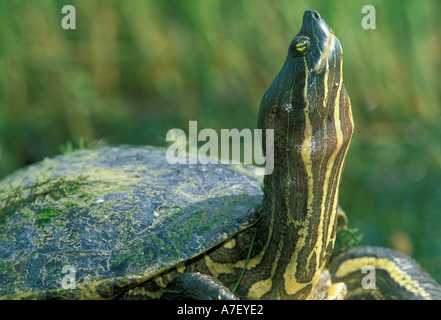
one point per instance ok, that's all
(115, 217)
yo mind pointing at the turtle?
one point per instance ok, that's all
(125, 223)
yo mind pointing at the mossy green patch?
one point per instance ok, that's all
(347, 238)
(44, 215)
(56, 187)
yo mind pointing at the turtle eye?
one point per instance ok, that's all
(302, 45)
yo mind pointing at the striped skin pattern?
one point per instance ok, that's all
(309, 110)
(397, 277)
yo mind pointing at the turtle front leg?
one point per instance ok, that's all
(196, 286)
(326, 290)
(185, 286)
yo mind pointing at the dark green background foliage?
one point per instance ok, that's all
(134, 69)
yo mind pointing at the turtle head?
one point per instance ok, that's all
(307, 104)
(316, 42)
(308, 109)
